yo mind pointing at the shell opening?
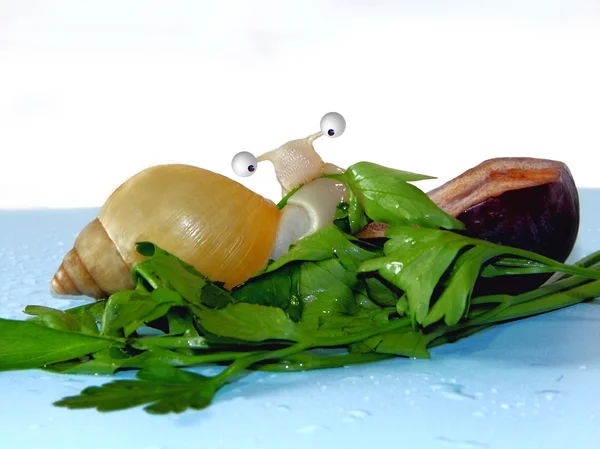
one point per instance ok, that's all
(310, 209)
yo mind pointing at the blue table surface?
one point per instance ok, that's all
(528, 384)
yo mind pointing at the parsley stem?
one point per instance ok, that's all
(245, 362)
(343, 340)
(283, 202)
(458, 332)
(563, 282)
(548, 302)
(555, 287)
(545, 299)
(560, 294)
(197, 360)
(574, 269)
(306, 362)
(147, 274)
(590, 261)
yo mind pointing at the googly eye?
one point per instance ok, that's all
(244, 164)
(333, 124)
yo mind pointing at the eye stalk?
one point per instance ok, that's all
(296, 162)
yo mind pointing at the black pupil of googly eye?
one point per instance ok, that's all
(331, 132)
(251, 168)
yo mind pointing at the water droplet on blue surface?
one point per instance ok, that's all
(549, 394)
(464, 444)
(351, 378)
(311, 428)
(357, 415)
(452, 391)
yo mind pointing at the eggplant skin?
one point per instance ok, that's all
(543, 219)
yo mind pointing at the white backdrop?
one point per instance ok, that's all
(92, 92)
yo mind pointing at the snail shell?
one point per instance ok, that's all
(223, 229)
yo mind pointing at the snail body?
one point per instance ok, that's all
(225, 230)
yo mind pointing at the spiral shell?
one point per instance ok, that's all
(208, 220)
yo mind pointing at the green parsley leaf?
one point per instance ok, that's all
(325, 244)
(163, 269)
(380, 291)
(26, 345)
(327, 292)
(127, 310)
(275, 289)
(164, 388)
(404, 343)
(387, 197)
(53, 318)
(248, 322)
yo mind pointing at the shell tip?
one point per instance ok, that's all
(64, 288)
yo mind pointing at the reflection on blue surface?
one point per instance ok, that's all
(528, 384)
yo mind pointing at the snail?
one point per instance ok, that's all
(229, 233)
(225, 230)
